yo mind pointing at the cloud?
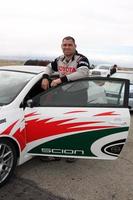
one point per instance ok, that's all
(37, 27)
(120, 59)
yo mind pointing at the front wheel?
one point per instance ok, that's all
(8, 160)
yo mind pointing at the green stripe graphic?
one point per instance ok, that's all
(79, 141)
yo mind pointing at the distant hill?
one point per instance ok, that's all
(21, 60)
(11, 62)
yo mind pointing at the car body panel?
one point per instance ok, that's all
(75, 132)
(28, 69)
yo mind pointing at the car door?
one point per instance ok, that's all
(88, 118)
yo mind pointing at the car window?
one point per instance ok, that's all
(115, 92)
(96, 73)
(11, 83)
(104, 67)
(85, 93)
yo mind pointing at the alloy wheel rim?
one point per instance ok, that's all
(6, 161)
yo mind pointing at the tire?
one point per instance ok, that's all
(8, 160)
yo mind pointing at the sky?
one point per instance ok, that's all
(103, 29)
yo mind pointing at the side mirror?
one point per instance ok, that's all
(30, 103)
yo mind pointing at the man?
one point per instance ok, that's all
(113, 70)
(71, 66)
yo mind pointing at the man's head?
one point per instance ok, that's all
(115, 66)
(68, 46)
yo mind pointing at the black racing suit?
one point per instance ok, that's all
(77, 68)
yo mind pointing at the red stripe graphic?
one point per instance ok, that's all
(8, 130)
(106, 114)
(18, 135)
(77, 111)
(37, 129)
(44, 128)
(31, 114)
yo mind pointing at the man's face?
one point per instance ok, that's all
(68, 47)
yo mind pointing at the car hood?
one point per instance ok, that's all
(101, 70)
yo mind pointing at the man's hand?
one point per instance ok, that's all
(56, 82)
(45, 84)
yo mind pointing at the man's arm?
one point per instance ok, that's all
(49, 69)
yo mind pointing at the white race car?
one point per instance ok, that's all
(102, 70)
(76, 119)
(127, 75)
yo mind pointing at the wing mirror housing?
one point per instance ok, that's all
(30, 103)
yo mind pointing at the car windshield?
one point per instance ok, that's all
(11, 84)
(125, 75)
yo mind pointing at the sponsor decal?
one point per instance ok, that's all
(64, 70)
(62, 151)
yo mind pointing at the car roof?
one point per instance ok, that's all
(24, 68)
(108, 65)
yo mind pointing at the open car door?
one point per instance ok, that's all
(87, 118)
